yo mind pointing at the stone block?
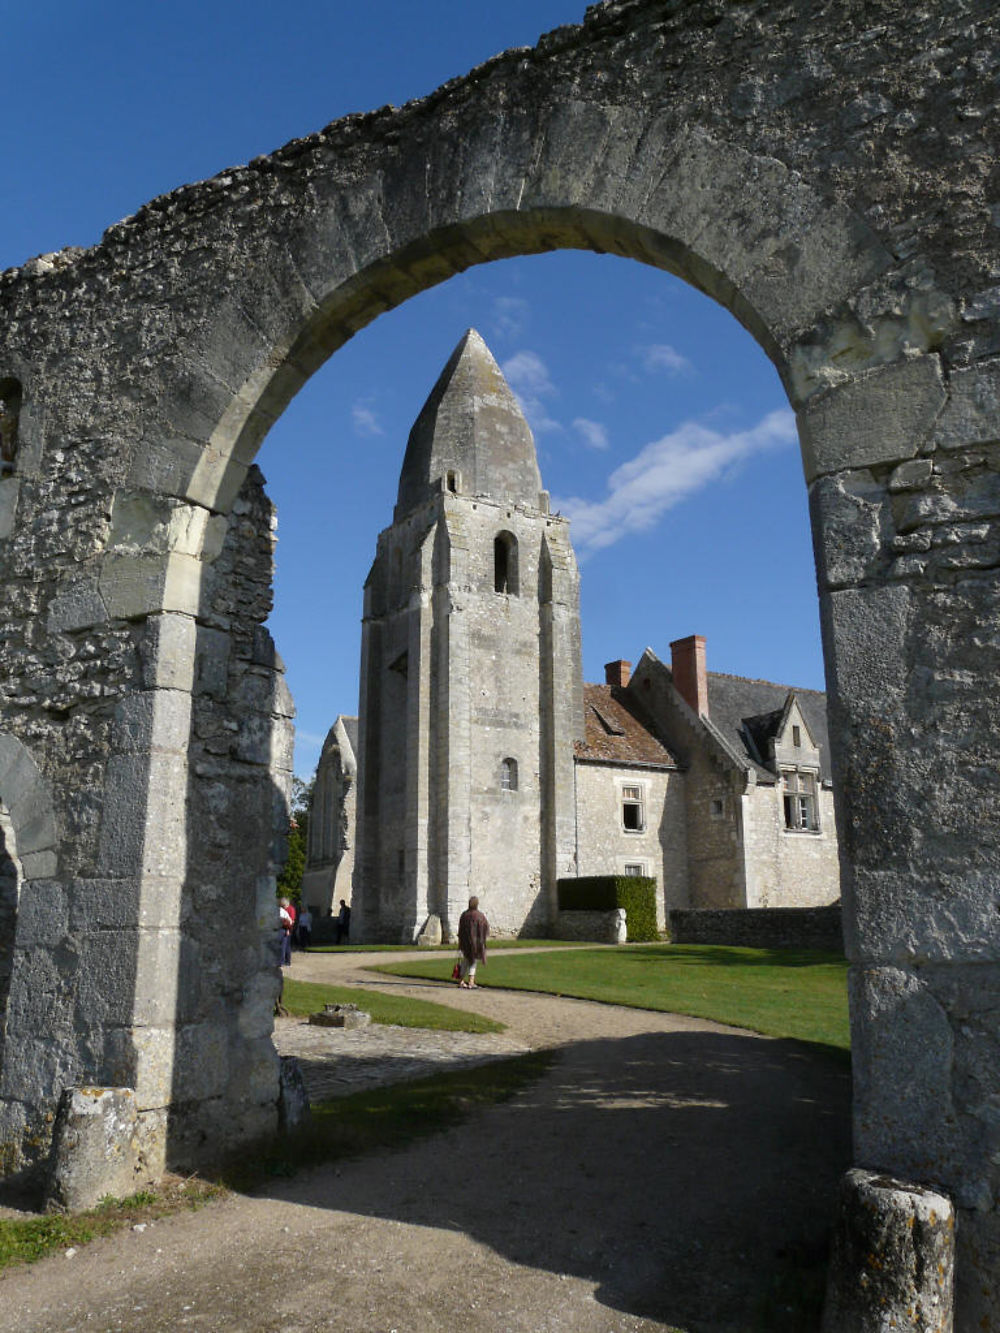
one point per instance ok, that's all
(18, 771)
(39, 865)
(293, 1100)
(152, 720)
(108, 968)
(103, 904)
(43, 916)
(893, 1259)
(852, 519)
(921, 1103)
(972, 414)
(94, 1147)
(167, 652)
(154, 1067)
(430, 932)
(868, 630)
(155, 977)
(885, 416)
(201, 1068)
(340, 1016)
(143, 826)
(10, 490)
(78, 606)
(213, 654)
(902, 916)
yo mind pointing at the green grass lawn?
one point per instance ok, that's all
(302, 998)
(782, 993)
(422, 949)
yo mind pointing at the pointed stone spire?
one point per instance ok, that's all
(471, 428)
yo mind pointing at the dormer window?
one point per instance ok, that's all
(799, 794)
(505, 577)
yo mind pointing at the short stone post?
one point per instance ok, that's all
(94, 1148)
(893, 1258)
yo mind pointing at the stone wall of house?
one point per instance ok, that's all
(605, 847)
(788, 867)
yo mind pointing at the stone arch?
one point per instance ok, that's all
(755, 152)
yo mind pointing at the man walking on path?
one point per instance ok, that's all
(473, 930)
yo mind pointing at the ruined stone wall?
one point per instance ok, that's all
(828, 173)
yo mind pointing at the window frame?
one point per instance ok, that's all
(633, 802)
(800, 800)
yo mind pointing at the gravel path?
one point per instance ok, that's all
(656, 1178)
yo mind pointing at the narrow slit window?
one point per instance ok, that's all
(508, 775)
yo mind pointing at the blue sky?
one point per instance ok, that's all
(662, 429)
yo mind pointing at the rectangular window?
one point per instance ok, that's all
(797, 737)
(718, 807)
(801, 810)
(633, 818)
(635, 869)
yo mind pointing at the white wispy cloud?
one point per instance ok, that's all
(661, 356)
(593, 434)
(528, 375)
(510, 316)
(364, 419)
(666, 472)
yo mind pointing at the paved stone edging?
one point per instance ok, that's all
(336, 1062)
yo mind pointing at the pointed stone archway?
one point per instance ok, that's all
(826, 176)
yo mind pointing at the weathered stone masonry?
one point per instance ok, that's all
(829, 174)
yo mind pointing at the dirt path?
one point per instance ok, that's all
(658, 1177)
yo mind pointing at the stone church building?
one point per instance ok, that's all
(481, 762)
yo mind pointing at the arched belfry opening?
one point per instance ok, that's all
(505, 572)
(651, 134)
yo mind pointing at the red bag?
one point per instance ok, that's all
(456, 972)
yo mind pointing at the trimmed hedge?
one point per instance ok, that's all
(604, 893)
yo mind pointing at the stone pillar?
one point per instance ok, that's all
(905, 489)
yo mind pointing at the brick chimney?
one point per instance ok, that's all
(687, 664)
(617, 673)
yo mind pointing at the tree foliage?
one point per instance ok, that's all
(290, 879)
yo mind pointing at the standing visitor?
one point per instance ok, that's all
(473, 931)
(287, 922)
(305, 928)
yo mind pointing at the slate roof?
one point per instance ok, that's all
(737, 706)
(618, 731)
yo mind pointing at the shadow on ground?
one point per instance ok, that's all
(687, 1175)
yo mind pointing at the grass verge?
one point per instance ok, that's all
(390, 1118)
(782, 993)
(25, 1240)
(302, 998)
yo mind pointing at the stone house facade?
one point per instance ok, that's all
(485, 765)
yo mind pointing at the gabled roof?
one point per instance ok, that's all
(749, 713)
(619, 731)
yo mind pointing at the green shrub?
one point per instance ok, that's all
(604, 893)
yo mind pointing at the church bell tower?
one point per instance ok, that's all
(471, 676)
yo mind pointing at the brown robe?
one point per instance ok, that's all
(473, 929)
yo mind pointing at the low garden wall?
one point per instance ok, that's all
(592, 927)
(761, 927)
